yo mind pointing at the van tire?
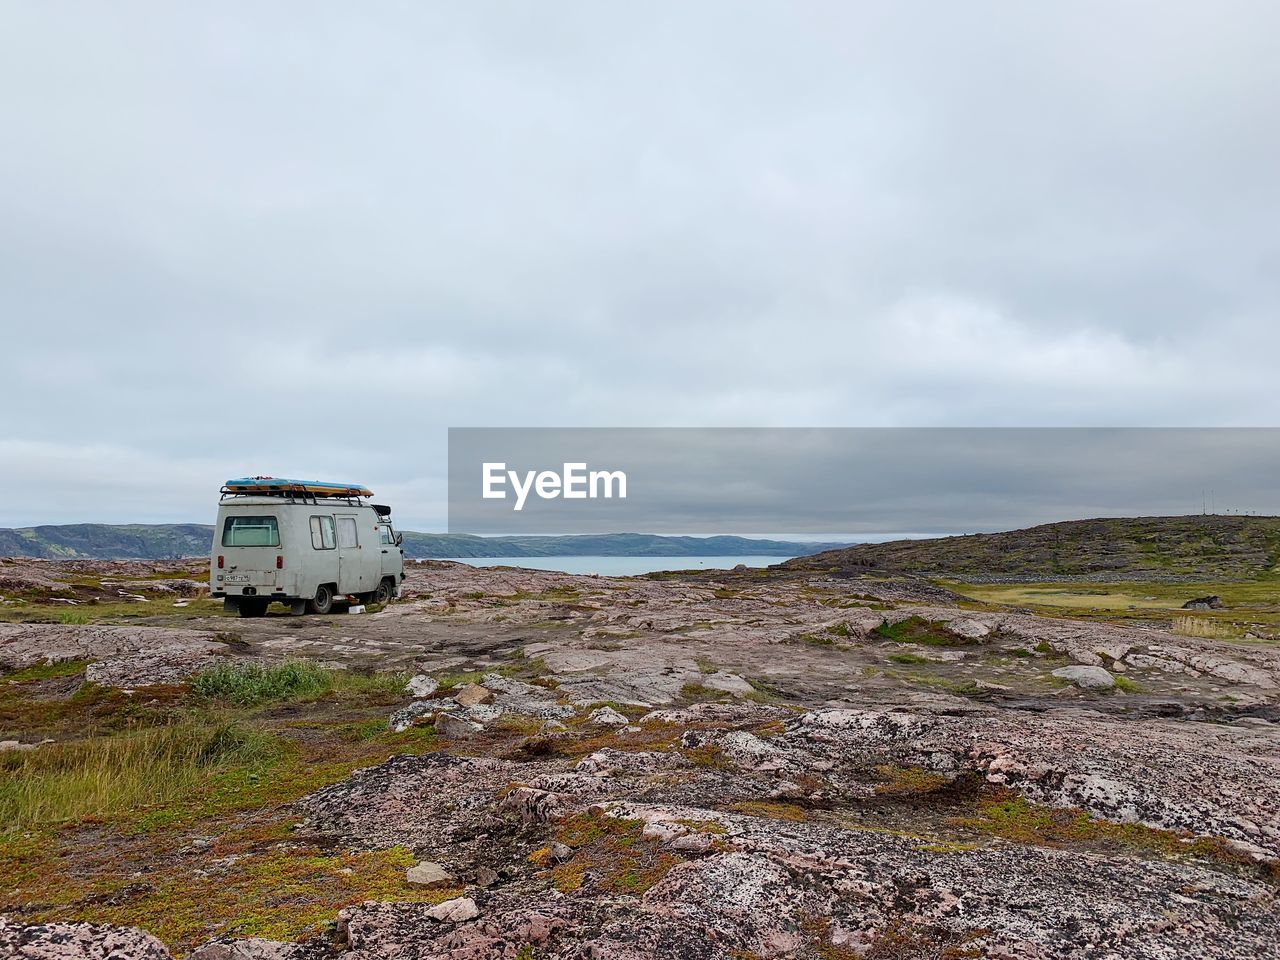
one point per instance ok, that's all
(384, 593)
(323, 601)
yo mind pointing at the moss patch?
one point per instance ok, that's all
(902, 940)
(45, 671)
(282, 892)
(1127, 685)
(933, 633)
(1010, 816)
(614, 852)
(905, 781)
(771, 810)
(908, 658)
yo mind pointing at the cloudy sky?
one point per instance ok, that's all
(306, 238)
(851, 483)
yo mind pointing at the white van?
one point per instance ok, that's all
(305, 544)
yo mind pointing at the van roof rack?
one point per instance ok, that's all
(305, 491)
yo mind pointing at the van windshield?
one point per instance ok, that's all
(250, 532)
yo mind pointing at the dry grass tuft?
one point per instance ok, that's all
(93, 778)
(1203, 627)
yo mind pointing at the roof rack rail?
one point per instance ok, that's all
(295, 491)
(290, 496)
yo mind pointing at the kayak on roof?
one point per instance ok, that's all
(317, 488)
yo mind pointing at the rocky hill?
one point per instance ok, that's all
(1206, 547)
(165, 541)
(130, 541)
(455, 545)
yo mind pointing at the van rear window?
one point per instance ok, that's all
(250, 532)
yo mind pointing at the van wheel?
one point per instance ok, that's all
(383, 593)
(323, 601)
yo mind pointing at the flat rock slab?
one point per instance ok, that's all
(408, 801)
(576, 661)
(78, 941)
(119, 656)
(728, 682)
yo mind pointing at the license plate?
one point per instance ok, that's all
(236, 578)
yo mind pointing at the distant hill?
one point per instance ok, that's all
(1207, 547)
(129, 541)
(433, 545)
(166, 541)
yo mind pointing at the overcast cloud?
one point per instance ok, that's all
(305, 238)
(849, 482)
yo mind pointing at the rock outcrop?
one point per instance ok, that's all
(720, 768)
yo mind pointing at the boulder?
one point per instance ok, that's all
(452, 725)
(500, 684)
(560, 852)
(404, 718)
(421, 686)
(969, 627)
(1086, 677)
(471, 695)
(607, 717)
(427, 873)
(532, 805)
(484, 712)
(1211, 602)
(457, 910)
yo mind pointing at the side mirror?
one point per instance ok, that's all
(399, 539)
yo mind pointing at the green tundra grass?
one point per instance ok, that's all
(1251, 608)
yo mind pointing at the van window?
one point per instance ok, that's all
(385, 535)
(347, 532)
(250, 532)
(322, 533)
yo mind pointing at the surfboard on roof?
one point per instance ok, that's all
(316, 488)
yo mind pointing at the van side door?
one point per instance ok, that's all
(322, 562)
(351, 566)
